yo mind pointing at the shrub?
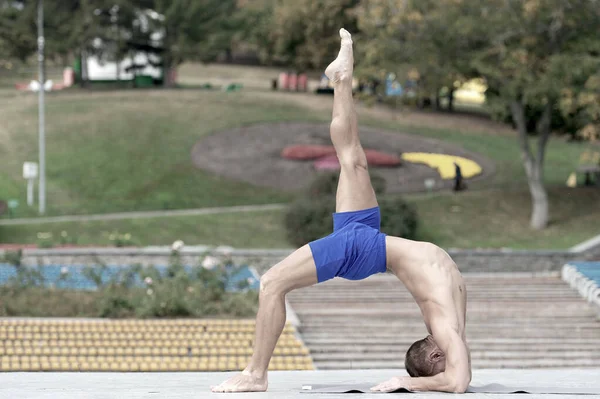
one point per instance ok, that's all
(119, 239)
(325, 184)
(45, 240)
(133, 291)
(65, 238)
(310, 219)
(14, 258)
(398, 218)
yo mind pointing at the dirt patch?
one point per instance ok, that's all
(253, 154)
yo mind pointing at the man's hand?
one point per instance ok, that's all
(392, 385)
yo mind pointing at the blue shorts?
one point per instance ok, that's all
(356, 248)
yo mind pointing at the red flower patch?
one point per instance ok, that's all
(326, 158)
(307, 152)
(378, 158)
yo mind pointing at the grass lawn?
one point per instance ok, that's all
(118, 151)
(561, 157)
(130, 150)
(477, 219)
(242, 230)
(500, 218)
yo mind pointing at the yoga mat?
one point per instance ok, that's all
(490, 388)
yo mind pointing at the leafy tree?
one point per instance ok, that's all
(193, 29)
(538, 53)
(17, 23)
(533, 54)
(415, 32)
(303, 34)
(256, 20)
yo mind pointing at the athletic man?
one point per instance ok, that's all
(357, 249)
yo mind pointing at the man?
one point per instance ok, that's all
(356, 250)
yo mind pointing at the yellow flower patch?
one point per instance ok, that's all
(444, 163)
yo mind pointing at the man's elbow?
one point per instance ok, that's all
(460, 386)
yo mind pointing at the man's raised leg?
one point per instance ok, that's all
(355, 191)
(296, 271)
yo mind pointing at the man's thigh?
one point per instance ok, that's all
(354, 191)
(298, 270)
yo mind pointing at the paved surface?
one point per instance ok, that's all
(514, 320)
(283, 384)
(142, 215)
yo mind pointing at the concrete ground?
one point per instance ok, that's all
(283, 384)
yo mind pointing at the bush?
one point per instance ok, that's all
(398, 218)
(134, 291)
(326, 184)
(310, 219)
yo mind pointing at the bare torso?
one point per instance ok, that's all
(433, 279)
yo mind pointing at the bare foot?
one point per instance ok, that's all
(341, 68)
(244, 382)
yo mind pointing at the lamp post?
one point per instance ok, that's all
(41, 132)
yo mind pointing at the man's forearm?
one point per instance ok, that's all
(439, 382)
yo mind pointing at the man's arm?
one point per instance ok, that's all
(457, 375)
(455, 378)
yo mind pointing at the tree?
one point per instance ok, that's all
(17, 23)
(533, 54)
(256, 21)
(195, 29)
(302, 34)
(536, 53)
(69, 27)
(414, 32)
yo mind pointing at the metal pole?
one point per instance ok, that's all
(30, 192)
(42, 133)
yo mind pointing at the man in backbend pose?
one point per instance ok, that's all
(357, 249)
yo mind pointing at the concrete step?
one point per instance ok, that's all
(475, 355)
(512, 321)
(489, 311)
(503, 333)
(473, 345)
(412, 324)
(481, 364)
(480, 340)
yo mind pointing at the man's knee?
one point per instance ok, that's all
(339, 124)
(271, 283)
(353, 158)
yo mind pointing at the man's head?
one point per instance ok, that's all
(424, 358)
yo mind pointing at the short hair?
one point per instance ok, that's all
(417, 361)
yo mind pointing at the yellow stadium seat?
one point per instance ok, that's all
(85, 366)
(203, 367)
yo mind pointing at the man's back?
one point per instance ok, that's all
(435, 283)
(431, 277)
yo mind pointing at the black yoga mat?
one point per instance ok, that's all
(490, 388)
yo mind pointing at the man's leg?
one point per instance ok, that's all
(296, 271)
(354, 188)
